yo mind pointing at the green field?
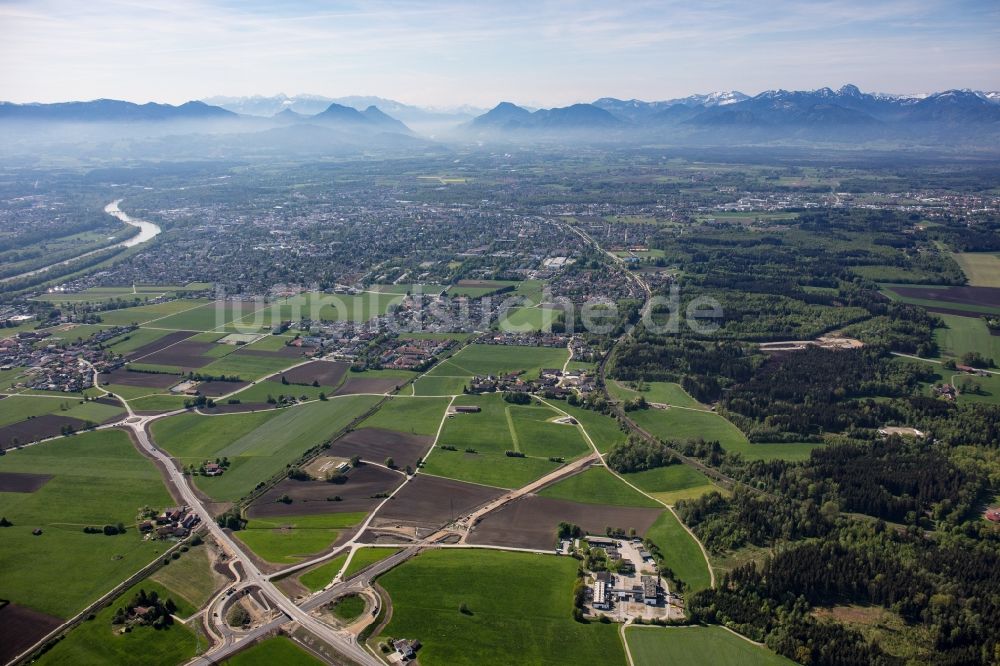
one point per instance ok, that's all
(361, 307)
(96, 642)
(318, 578)
(535, 434)
(498, 428)
(989, 389)
(672, 483)
(681, 552)
(289, 539)
(191, 577)
(501, 359)
(982, 268)
(192, 437)
(159, 312)
(520, 607)
(102, 294)
(597, 486)
(278, 650)
(260, 391)
(16, 408)
(667, 393)
(523, 320)
(485, 431)
(213, 316)
(99, 478)
(258, 444)
(158, 403)
(96, 412)
(966, 334)
(491, 469)
(696, 646)
(603, 430)
(685, 424)
(72, 333)
(315, 305)
(477, 292)
(440, 385)
(270, 343)
(418, 416)
(248, 365)
(365, 557)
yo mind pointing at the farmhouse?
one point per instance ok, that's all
(406, 649)
(468, 409)
(601, 542)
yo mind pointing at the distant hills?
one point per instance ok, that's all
(197, 129)
(843, 116)
(309, 105)
(111, 110)
(116, 111)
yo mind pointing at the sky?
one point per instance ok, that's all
(451, 52)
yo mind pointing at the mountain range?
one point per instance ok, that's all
(843, 116)
(773, 109)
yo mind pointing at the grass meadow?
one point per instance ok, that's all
(696, 646)
(96, 642)
(98, 478)
(680, 552)
(519, 605)
(501, 359)
(289, 539)
(597, 486)
(258, 444)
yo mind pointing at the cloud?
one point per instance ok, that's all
(552, 51)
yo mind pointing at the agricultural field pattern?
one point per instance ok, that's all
(548, 407)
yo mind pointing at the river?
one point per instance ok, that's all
(147, 231)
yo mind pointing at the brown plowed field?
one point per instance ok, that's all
(186, 354)
(982, 296)
(124, 377)
(433, 501)
(157, 345)
(20, 628)
(40, 427)
(376, 444)
(310, 497)
(531, 522)
(22, 482)
(327, 373)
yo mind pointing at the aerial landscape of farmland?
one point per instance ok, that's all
(557, 361)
